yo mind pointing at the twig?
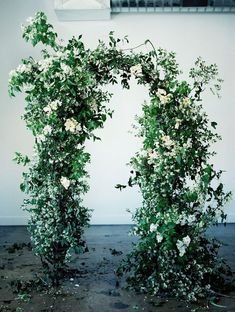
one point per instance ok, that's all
(130, 49)
(142, 44)
(3, 300)
(222, 295)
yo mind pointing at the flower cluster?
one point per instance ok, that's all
(72, 125)
(182, 245)
(65, 182)
(64, 105)
(52, 106)
(136, 70)
(163, 96)
(182, 192)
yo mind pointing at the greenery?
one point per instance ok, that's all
(182, 193)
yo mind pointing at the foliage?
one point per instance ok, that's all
(182, 192)
(65, 103)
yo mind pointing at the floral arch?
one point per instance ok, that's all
(182, 194)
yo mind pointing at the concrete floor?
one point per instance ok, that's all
(95, 288)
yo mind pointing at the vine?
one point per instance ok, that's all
(66, 102)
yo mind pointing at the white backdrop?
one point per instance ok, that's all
(190, 35)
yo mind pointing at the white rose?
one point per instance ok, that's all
(161, 74)
(66, 69)
(60, 54)
(153, 227)
(191, 219)
(29, 20)
(186, 102)
(152, 154)
(136, 70)
(159, 238)
(65, 182)
(161, 92)
(40, 138)
(178, 123)
(182, 245)
(94, 106)
(47, 109)
(22, 27)
(24, 68)
(44, 65)
(72, 125)
(78, 146)
(163, 96)
(53, 105)
(167, 141)
(186, 240)
(47, 129)
(12, 73)
(182, 252)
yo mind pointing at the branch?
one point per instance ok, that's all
(142, 44)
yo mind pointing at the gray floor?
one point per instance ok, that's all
(95, 287)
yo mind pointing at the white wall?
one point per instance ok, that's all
(190, 35)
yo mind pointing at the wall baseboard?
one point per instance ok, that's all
(14, 220)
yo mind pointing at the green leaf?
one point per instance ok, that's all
(22, 187)
(178, 159)
(214, 124)
(217, 305)
(120, 186)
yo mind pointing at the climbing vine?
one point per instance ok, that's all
(66, 102)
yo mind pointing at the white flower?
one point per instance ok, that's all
(164, 99)
(183, 220)
(47, 109)
(167, 141)
(28, 87)
(66, 69)
(60, 54)
(22, 26)
(52, 106)
(47, 129)
(191, 219)
(185, 102)
(153, 227)
(186, 240)
(159, 238)
(94, 106)
(72, 125)
(186, 219)
(45, 64)
(161, 92)
(136, 70)
(182, 245)
(40, 138)
(30, 20)
(24, 68)
(161, 74)
(152, 155)
(78, 146)
(178, 123)
(65, 182)
(12, 73)
(163, 96)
